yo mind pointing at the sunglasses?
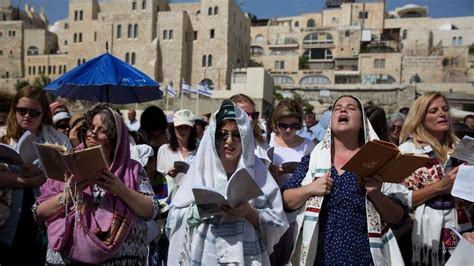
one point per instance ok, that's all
(62, 126)
(223, 135)
(285, 126)
(32, 112)
(254, 115)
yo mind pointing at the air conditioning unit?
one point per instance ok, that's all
(355, 52)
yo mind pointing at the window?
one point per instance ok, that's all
(81, 13)
(11, 33)
(170, 36)
(66, 26)
(347, 33)
(54, 69)
(377, 79)
(135, 31)
(83, 61)
(318, 38)
(7, 74)
(297, 24)
(315, 79)
(133, 58)
(134, 5)
(127, 57)
(1, 52)
(209, 11)
(119, 31)
(204, 61)
(256, 51)
(95, 36)
(129, 32)
(209, 60)
(144, 4)
(379, 63)
(459, 40)
(454, 41)
(279, 65)
(310, 23)
(76, 15)
(165, 35)
(80, 37)
(216, 10)
(404, 34)
(29, 70)
(75, 37)
(195, 37)
(212, 34)
(319, 54)
(65, 42)
(34, 70)
(282, 80)
(363, 15)
(32, 50)
(259, 38)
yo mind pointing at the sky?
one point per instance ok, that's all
(58, 9)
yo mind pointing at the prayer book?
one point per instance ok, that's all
(181, 167)
(241, 187)
(23, 154)
(465, 150)
(384, 159)
(288, 167)
(83, 164)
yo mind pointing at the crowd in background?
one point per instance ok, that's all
(142, 211)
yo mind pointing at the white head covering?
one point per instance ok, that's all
(141, 153)
(207, 169)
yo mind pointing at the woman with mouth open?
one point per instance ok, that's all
(428, 130)
(344, 219)
(243, 235)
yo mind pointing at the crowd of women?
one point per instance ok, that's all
(141, 210)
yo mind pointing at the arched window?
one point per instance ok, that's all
(315, 79)
(216, 10)
(135, 31)
(209, 11)
(207, 83)
(259, 38)
(119, 31)
(310, 23)
(204, 61)
(454, 41)
(32, 50)
(459, 40)
(283, 80)
(318, 38)
(129, 33)
(209, 60)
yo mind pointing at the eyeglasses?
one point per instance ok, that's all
(285, 126)
(254, 115)
(396, 128)
(32, 112)
(223, 135)
(97, 132)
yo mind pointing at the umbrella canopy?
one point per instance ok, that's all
(106, 79)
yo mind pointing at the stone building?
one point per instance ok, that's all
(357, 47)
(197, 42)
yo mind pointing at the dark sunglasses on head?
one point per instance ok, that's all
(62, 126)
(223, 135)
(254, 115)
(32, 112)
(285, 126)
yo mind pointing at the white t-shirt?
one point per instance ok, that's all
(134, 125)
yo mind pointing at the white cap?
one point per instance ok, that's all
(61, 116)
(183, 117)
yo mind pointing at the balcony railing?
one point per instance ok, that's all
(381, 47)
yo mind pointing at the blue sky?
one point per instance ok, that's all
(57, 9)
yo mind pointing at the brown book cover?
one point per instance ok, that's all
(385, 160)
(82, 163)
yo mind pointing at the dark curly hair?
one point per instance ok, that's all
(108, 120)
(174, 145)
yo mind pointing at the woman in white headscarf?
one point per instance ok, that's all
(344, 219)
(243, 235)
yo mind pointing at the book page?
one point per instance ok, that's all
(25, 147)
(465, 150)
(8, 155)
(208, 201)
(241, 188)
(464, 184)
(86, 163)
(51, 159)
(181, 167)
(270, 152)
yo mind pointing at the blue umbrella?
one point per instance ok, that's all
(106, 79)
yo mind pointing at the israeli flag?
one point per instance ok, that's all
(187, 89)
(171, 91)
(204, 90)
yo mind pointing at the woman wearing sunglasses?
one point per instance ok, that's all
(289, 148)
(29, 112)
(394, 124)
(243, 235)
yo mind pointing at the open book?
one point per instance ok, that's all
(240, 188)
(384, 159)
(23, 154)
(82, 163)
(288, 167)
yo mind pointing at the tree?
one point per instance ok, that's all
(21, 83)
(303, 62)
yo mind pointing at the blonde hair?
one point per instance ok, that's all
(242, 98)
(287, 108)
(414, 127)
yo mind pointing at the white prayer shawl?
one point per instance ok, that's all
(231, 241)
(383, 245)
(428, 222)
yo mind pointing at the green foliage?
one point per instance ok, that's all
(21, 83)
(303, 62)
(471, 49)
(41, 81)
